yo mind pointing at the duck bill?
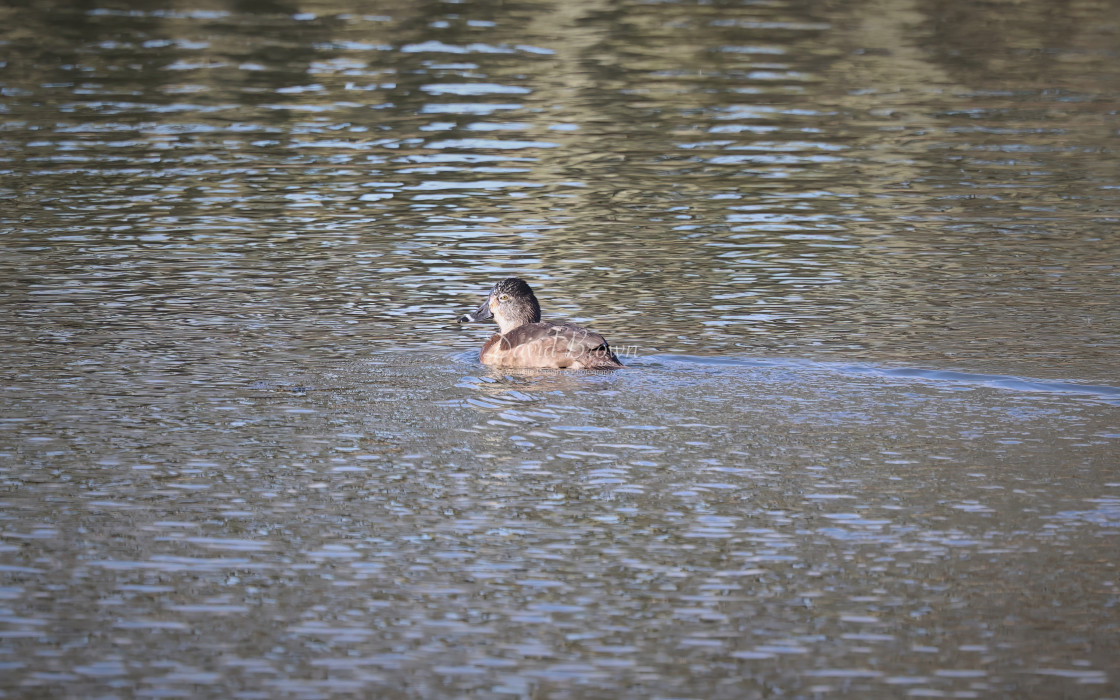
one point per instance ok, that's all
(480, 314)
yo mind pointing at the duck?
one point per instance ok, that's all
(523, 340)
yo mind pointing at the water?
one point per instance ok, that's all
(861, 261)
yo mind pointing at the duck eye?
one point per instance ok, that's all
(504, 297)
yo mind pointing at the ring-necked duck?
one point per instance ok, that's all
(523, 341)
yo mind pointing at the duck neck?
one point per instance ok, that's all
(517, 318)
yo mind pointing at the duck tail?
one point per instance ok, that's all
(602, 358)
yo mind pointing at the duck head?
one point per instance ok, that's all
(511, 303)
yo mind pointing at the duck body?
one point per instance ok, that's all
(523, 340)
(555, 345)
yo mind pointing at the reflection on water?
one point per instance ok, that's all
(706, 179)
(685, 526)
(864, 255)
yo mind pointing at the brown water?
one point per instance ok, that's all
(861, 258)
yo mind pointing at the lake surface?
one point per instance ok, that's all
(862, 261)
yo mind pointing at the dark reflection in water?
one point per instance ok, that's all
(862, 258)
(869, 182)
